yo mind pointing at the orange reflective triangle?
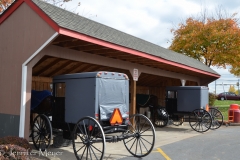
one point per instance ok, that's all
(116, 118)
(207, 108)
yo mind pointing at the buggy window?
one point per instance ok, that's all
(171, 94)
(60, 89)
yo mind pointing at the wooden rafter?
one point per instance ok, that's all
(39, 73)
(63, 39)
(91, 68)
(74, 67)
(42, 60)
(90, 48)
(59, 68)
(76, 44)
(82, 68)
(65, 71)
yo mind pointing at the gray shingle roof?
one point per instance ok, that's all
(74, 22)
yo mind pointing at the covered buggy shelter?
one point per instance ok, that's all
(51, 41)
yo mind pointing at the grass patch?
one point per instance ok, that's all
(223, 106)
(225, 103)
(224, 111)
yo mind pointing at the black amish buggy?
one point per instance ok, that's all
(184, 103)
(91, 109)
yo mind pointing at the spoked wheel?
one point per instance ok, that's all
(161, 117)
(88, 139)
(178, 121)
(217, 118)
(41, 132)
(142, 140)
(200, 120)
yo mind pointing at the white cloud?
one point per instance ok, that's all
(152, 20)
(224, 82)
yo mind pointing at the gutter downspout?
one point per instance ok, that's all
(24, 85)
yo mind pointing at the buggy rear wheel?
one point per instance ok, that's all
(217, 118)
(141, 134)
(161, 117)
(88, 139)
(41, 132)
(200, 120)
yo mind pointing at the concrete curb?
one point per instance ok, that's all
(234, 124)
(230, 123)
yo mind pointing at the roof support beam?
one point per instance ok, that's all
(133, 97)
(115, 63)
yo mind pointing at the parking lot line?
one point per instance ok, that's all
(163, 154)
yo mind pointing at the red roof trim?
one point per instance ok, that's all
(10, 10)
(45, 17)
(87, 38)
(17, 3)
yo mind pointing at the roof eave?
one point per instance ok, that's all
(73, 34)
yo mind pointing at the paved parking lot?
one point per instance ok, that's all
(113, 151)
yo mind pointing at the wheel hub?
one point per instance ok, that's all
(137, 135)
(43, 132)
(200, 120)
(87, 142)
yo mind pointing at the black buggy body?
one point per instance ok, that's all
(186, 98)
(93, 94)
(91, 109)
(183, 103)
(189, 103)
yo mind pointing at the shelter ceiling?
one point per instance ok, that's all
(50, 66)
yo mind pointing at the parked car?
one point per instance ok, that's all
(228, 96)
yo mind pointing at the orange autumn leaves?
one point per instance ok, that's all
(4, 4)
(215, 42)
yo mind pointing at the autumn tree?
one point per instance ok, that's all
(4, 4)
(212, 40)
(232, 89)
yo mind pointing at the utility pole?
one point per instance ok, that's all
(224, 91)
(215, 87)
(238, 86)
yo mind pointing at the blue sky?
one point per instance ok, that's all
(152, 20)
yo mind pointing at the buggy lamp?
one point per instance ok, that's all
(99, 74)
(116, 118)
(126, 77)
